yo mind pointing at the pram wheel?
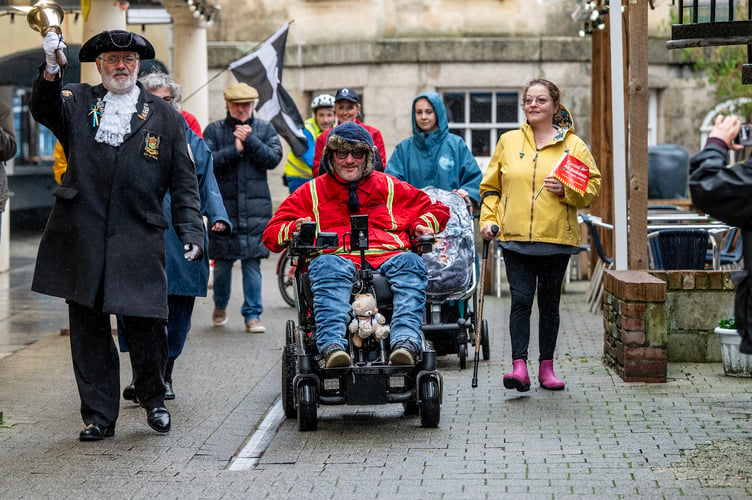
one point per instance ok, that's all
(429, 402)
(307, 401)
(289, 370)
(462, 353)
(485, 342)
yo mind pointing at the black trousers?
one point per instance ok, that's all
(526, 275)
(96, 362)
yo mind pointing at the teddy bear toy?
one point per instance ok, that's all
(368, 320)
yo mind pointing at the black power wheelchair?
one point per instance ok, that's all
(369, 379)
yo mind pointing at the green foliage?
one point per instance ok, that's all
(722, 67)
(729, 323)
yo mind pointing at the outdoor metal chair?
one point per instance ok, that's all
(595, 290)
(678, 248)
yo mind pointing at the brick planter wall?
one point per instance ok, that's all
(695, 301)
(634, 324)
(652, 318)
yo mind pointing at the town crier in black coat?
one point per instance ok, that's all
(103, 248)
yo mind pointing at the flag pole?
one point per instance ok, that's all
(255, 48)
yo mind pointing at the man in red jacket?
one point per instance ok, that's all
(347, 109)
(396, 212)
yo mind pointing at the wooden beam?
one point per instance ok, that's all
(638, 93)
(600, 131)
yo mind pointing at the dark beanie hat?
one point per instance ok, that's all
(344, 137)
(352, 133)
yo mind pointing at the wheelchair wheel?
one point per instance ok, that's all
(289, 370)
(463, 356)
(286, 278)
(430, 407)
(485, 341)
(307, 401)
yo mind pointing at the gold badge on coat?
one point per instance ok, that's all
(151, 146)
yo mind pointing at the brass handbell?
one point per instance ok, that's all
(46, 16)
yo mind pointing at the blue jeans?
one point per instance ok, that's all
(332, 279)
(252, 307)
(525, 274)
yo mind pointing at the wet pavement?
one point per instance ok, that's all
(599, 438)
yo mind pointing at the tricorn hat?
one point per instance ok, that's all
(115, 41)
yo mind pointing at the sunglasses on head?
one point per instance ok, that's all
(358, 154)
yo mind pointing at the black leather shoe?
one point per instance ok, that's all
(129, 393)
(169, 393)
(158, 419)
(96, 432)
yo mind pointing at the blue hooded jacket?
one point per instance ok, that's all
(438, 159)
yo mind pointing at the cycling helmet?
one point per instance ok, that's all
(322, 101)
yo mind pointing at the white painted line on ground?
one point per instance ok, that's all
(248, 457)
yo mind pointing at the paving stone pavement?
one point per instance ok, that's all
(600, 437)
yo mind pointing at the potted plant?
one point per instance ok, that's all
(735, 364)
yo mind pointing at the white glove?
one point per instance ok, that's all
(192, 252)
(52, 42)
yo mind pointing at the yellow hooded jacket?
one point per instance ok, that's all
(515, 176)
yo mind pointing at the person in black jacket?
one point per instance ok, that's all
(244, 147)
(723, 192)
(103, 248)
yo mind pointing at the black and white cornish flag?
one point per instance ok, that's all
(262, 70)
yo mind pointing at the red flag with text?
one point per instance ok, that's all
(572, 172)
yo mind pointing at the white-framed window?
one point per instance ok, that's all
(481, 116)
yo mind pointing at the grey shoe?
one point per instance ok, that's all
(219, 317)
(335, 356)
(254, 326)
(404, 352)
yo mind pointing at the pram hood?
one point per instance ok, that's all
(451, 264)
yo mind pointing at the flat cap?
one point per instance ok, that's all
(115, 41)
(240, 92)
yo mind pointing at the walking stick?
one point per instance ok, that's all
(479, 316)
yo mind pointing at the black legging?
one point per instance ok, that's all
(525, 273)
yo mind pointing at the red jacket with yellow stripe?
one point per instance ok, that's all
(394, 209)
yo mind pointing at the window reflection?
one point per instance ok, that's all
(507, 107)
(35, 142)
(455, 106)
(480, 108)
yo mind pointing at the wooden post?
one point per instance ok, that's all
(637, 62)
(600, 132)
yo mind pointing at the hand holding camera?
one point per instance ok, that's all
(728, 129)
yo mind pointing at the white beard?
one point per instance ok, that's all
(114, 85)
(115, 123)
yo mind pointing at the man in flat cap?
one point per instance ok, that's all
(244, 147)
(103, 248)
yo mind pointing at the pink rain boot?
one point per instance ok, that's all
(519, 378)
(547, 378)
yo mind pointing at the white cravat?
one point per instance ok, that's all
(116, 118)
